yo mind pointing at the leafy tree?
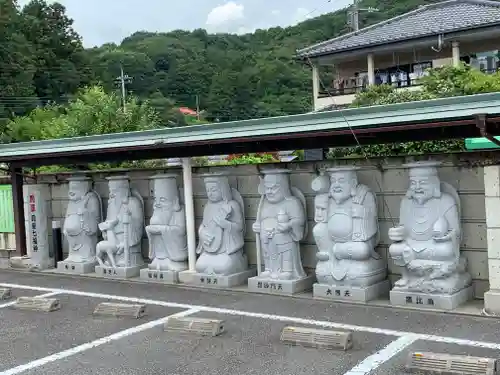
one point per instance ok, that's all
(92, 111)
(234, 77)
(59, 57)
(168, 113)
(17, 92)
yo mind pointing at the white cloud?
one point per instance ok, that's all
(275, 12)
(225, 14)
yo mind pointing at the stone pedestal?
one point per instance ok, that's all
(351, 293)
(167, 277)
(185, 276)
(20, 262)
(121, 272)
(76, 268)
(284, 287)
(492, 302)
(434, 301)
(220, 281)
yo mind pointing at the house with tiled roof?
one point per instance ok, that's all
(399, 50)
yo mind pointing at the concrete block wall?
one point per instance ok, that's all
(492, 204)
(7, 248)
(386, 177)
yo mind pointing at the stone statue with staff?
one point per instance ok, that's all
(123, 228)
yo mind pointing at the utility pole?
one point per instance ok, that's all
(353, 15)
(122, 81)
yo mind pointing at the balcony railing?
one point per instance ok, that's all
(351, 86)
(354, 85)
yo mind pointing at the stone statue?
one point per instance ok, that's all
(124, 226)
(427, 240)
(221, 233)
(83, 216)
(167, 228)
(346, 232)
(280, 226)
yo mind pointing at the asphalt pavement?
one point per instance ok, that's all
(73, 341)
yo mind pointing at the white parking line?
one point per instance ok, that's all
(281, 318)
(93, 344)
(46, 295)
(375, 360)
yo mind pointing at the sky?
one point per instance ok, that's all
(105, 21)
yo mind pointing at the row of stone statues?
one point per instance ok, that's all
(426, 241)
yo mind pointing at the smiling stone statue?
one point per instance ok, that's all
(80, 228)
(427, 242)
(346, 234)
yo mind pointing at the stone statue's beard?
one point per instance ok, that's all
(114, 204)
(421, 196)
(320, 218)
(163, 214)
(341, 196)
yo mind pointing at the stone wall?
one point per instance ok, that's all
(386, 177)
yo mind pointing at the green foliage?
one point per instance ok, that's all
(41, 58)
(236, 77)
(60, 61)
(440, 82)
(17, 92)
(91, 112)
(257, 158)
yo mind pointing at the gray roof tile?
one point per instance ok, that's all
(433, 19)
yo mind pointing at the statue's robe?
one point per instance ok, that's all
(130, 209)
(171, 243)
(80, 228)
(224, 253)
(281, 252)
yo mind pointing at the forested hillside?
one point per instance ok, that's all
(235, 76)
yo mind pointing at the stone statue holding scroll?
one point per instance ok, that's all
(124, 226)
(281, 224)
(346, 232)
(167, 229)
(427, 240)
(221, 233)
(83, 216)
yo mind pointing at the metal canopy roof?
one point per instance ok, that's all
(431, 119)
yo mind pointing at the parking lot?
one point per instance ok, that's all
(73, 341)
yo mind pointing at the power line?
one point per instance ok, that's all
(353, 15)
